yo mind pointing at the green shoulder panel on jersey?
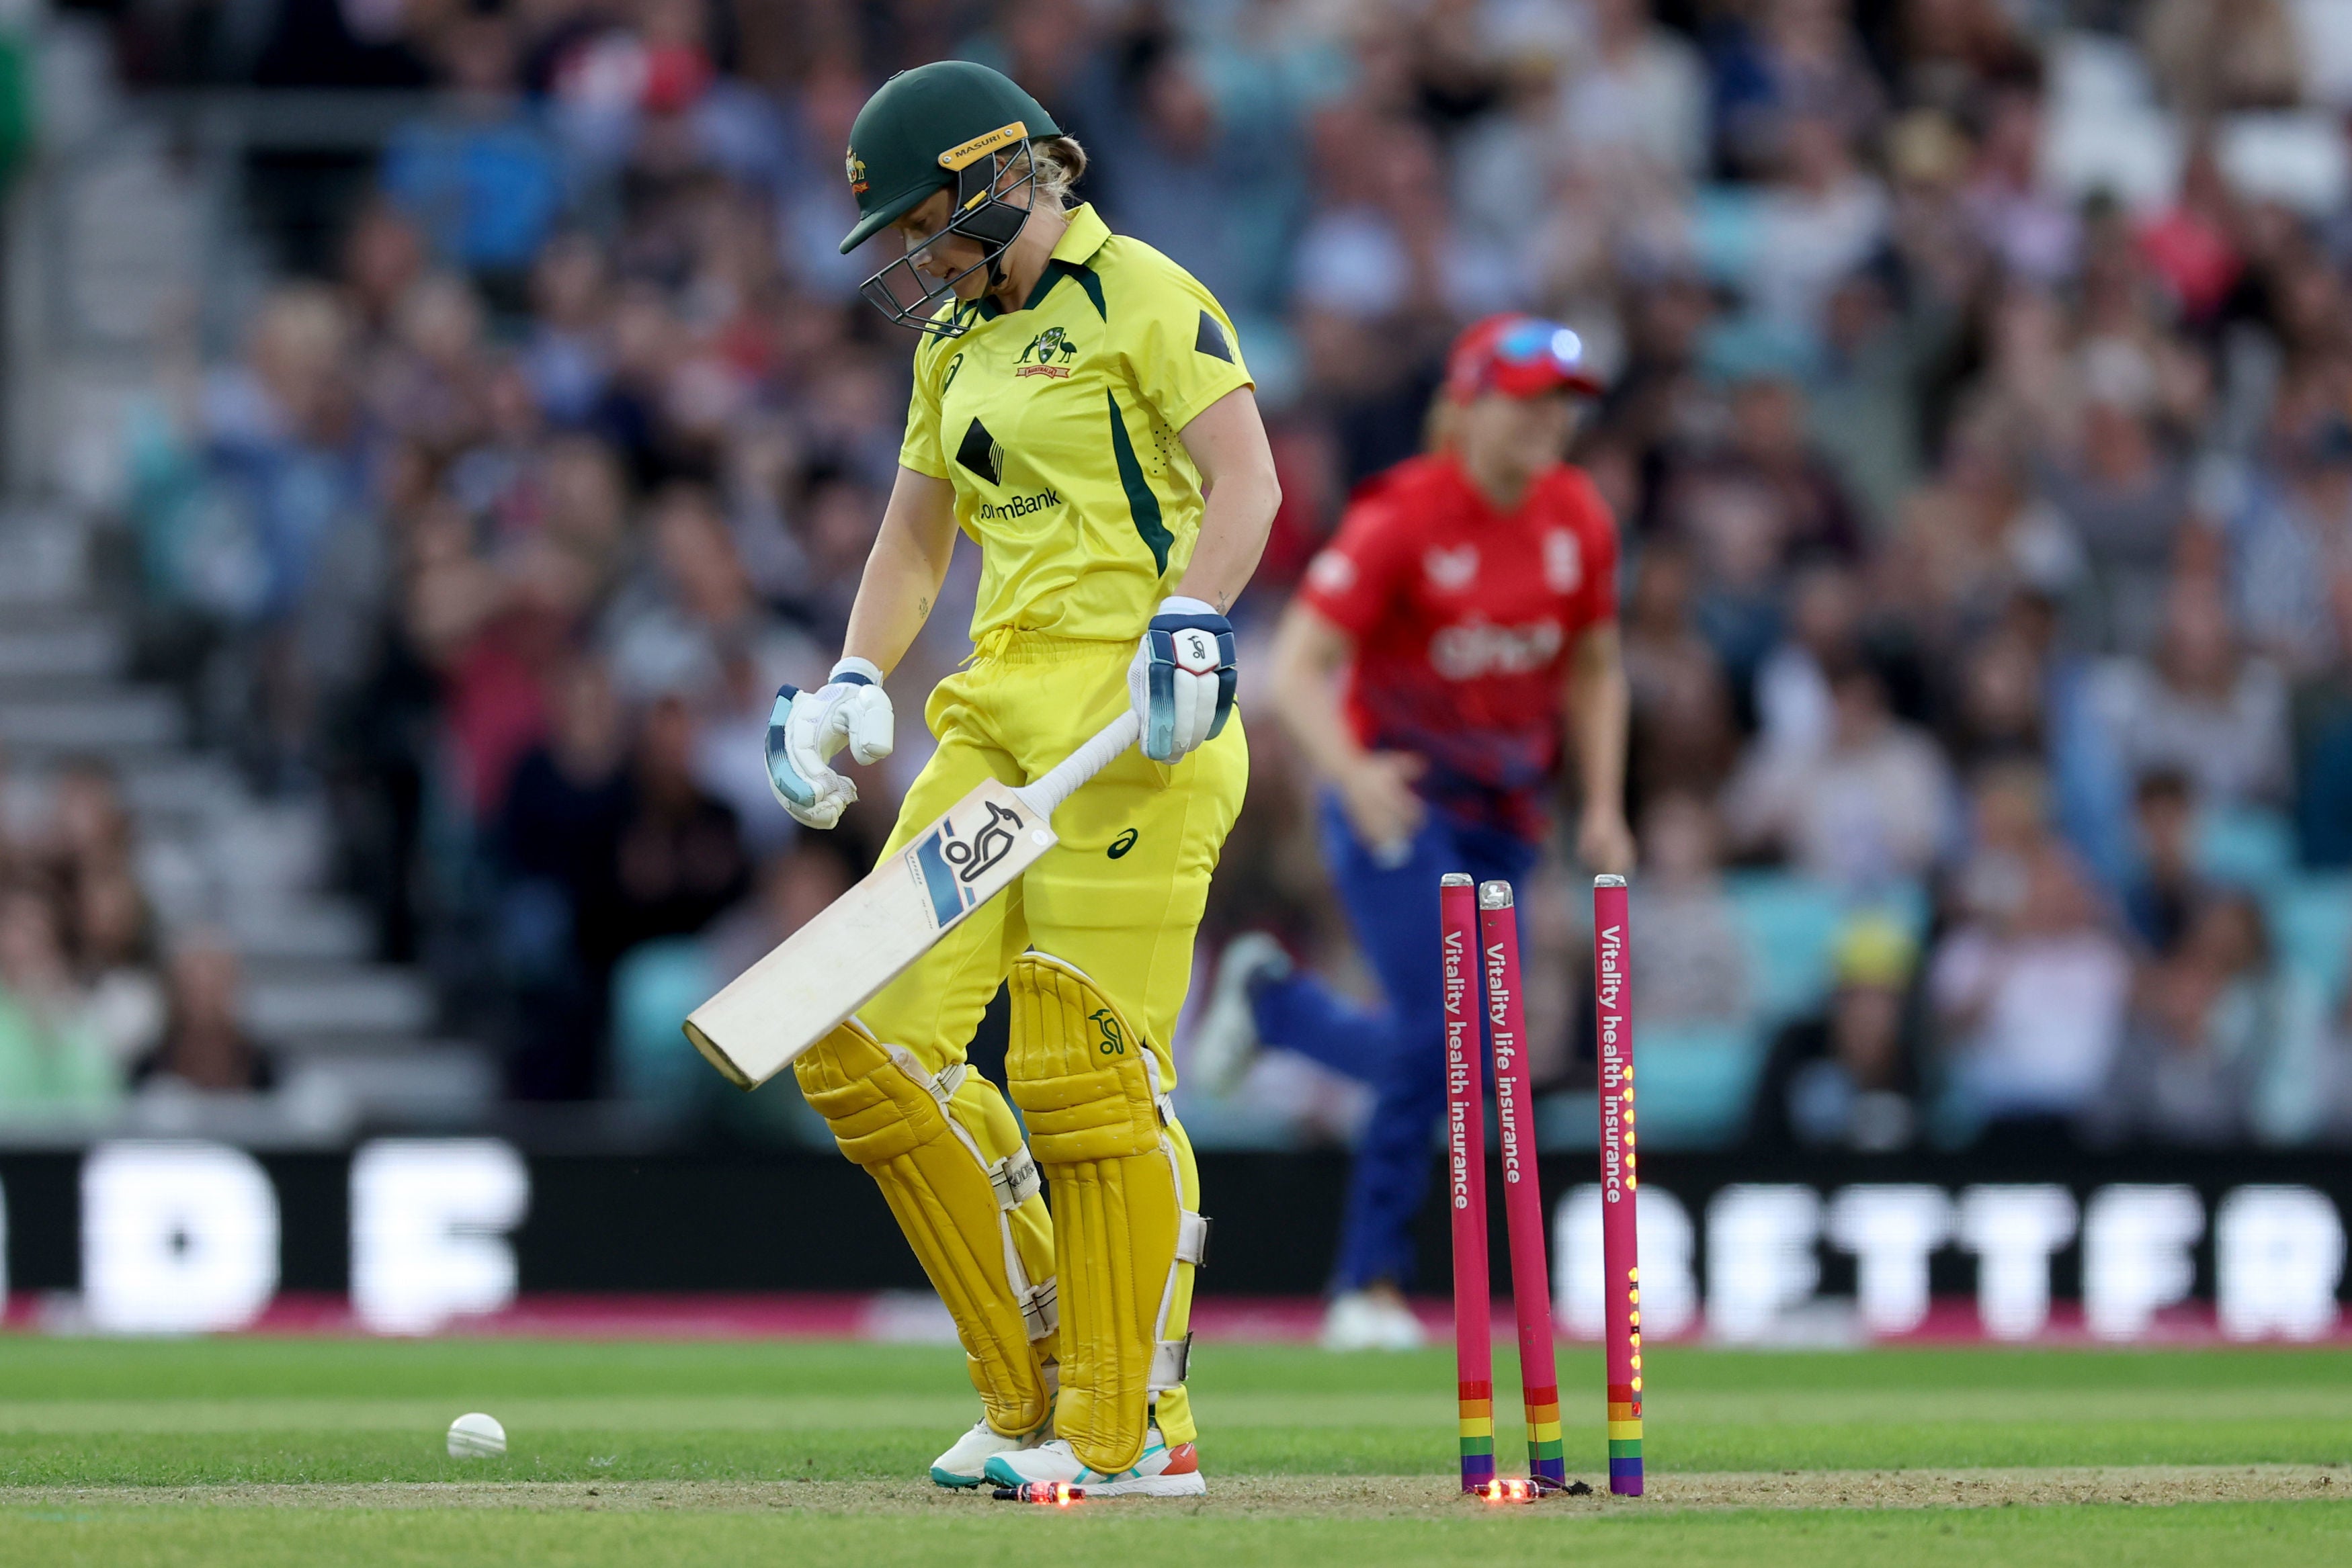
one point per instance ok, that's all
(1089, 281)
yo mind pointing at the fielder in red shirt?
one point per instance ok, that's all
(1456, 638)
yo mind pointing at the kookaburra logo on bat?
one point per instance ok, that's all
(987, 846)
(1194, 650)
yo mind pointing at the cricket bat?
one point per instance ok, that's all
(865, 938)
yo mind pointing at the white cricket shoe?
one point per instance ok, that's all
(1376, 1319)
(965, 1463)
(1162, 1471)
(1226, 1042)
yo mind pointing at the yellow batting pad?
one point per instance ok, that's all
(948, 1156)
(1123, 1232)
(1076, 1069)
(1172, 1406)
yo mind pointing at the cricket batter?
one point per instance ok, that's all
(1081, 411)
(1470, 597)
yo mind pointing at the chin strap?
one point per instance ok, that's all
(976, 195)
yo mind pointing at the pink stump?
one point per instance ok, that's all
(1621, 1259)
(1465, 1178)
(1498, 933)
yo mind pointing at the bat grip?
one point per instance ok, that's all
(1047, 794)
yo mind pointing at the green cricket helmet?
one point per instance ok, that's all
(955, 126)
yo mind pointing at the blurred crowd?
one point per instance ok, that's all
(1980, 429)
(95, 1006)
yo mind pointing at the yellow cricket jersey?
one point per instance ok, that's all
(1057, 425)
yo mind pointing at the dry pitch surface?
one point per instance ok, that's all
(261, 1452)
(1301, 1497)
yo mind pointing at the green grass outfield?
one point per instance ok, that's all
(264, 1452)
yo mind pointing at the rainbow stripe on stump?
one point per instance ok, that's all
(1477, 1428)
(1624, 1440)
(1546, 1456)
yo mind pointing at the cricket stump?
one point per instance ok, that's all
(1465, 1183)
(1523, 1214)
(1621, 1259)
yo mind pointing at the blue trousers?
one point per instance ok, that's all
(1399, 1046)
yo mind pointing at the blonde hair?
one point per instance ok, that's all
(1061, 164)
(1437, 427)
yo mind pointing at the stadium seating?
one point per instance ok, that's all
(1694, 1083)
(1787, 923)
(655, 984)
(2246, 845)
(2311, 922)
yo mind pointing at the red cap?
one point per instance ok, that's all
(1518, 356)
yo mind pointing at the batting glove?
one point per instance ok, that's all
(806, 728)
(1181, 681)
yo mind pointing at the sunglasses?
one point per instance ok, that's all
(1535, 343)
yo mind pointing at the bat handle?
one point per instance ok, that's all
(1047, 794)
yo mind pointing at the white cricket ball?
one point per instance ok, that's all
(476, 1437)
